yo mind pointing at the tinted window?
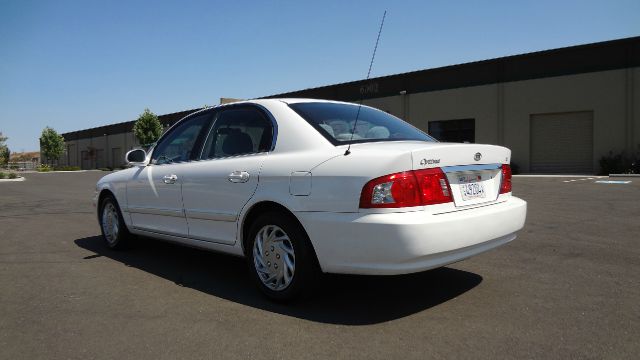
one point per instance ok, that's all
(462, 130)
(336, 121)
(238, 131)
(181, 144)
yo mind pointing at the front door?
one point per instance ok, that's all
(154, 195)
(155, 200)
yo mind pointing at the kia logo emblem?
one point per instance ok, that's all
(477, 157)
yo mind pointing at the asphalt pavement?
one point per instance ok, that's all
(567, 287)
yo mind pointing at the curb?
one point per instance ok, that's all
(9, 180)
(624, 175)
(60, 171)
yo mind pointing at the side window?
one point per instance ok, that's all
(238, 131)
(182, 142)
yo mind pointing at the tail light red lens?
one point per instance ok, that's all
(505, 185)
(406, 189)
(434, 186)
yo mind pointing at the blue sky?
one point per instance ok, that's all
(73, 65)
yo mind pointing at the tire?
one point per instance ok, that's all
(114, 231)
(285, 268)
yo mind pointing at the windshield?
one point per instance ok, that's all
(335, 121)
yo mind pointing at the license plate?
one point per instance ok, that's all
(471, 187)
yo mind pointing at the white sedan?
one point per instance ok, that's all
(300, 187)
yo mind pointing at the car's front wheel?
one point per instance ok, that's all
(114, 231)
(280, 257)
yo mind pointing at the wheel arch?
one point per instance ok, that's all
(108, 192)
(260, 208)
(103, 194)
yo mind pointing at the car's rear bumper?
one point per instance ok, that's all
(400, 243)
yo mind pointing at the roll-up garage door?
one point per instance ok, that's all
(73, 155)
(562, 143)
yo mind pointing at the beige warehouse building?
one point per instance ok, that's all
(559, 110)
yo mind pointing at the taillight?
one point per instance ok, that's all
(406, 189)
(505, 185)
(434, 186)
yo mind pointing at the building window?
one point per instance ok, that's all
(460, 130)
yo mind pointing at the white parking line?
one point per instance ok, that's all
(613, 182)
(568, 181)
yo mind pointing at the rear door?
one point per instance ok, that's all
(216, 188)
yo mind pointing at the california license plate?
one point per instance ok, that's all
(471, 187)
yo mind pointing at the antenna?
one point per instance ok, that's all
(355, 123)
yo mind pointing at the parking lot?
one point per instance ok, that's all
(568, 287)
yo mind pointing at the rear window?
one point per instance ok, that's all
(336, 121)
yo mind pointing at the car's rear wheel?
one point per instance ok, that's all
(114, 231)
(280, 257)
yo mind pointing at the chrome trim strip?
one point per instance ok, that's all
(179, 238)
(152, 211)
(465, 168)
(208, 215)
(156, 232)
(198, 238)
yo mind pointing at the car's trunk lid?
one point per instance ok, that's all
(473, 182)
(473, 170)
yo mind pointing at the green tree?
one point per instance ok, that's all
(147, 128)
(4, 150)
(51, 144)
(5, 155)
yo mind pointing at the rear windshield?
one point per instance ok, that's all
(335, 121)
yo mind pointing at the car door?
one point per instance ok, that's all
(216, 188)
(154, 194)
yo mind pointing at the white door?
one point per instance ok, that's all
(216, 188)
(154, 195)
(562, 143)
(155, 200)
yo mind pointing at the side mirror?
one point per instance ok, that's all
(136, 157)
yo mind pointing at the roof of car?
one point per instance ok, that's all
(274, 100)
(303, 100)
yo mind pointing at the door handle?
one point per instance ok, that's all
(170, 179)
(239, 177)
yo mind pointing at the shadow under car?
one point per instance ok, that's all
(338, 299)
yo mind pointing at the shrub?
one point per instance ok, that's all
(5, 154)
(44, 168)
(621, 163)
(13, 175)
(2, 175)
(67, 168)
